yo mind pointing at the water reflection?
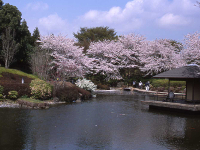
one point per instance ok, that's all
(109, 121)
(13, 125)
(180, 132)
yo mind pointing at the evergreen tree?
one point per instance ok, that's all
(35, 36)
(87, 35)
(25, 47)
(1, 4)
(10, 16)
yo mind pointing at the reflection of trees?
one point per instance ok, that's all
(177, 132)
(12, 129)
(191, 137)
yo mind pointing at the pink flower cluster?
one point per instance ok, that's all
(129, 51)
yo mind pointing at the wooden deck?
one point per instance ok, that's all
(173, 106)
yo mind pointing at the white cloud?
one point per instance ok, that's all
(115, 14)
(144, 15)
(172, 20)
(37, 6)
(91, 15)
(53, 24)
(152, 18)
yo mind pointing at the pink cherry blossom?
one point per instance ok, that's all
(192, 48)
(67, 58)
(159, 55)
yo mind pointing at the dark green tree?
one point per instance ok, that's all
(177, 45)
(1, 4)
(25, 46)
(87, 35)
(10, 17)
(35, 36)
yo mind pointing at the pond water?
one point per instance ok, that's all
(110, 121)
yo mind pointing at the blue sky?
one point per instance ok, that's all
(171, 19)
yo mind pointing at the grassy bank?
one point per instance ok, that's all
(31, 100)
(16, 72)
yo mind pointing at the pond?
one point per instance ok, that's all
(115, 120)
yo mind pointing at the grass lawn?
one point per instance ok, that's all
(24, 99)
(14, 71)
(31, 100)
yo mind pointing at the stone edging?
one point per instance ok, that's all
(28, 104)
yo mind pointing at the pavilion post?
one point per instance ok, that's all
(193, 90)
(168, 85)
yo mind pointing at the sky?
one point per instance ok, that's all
(154, 19)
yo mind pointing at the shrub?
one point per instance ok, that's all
(40, 89)
(12, 94)
(113, 82)
(183, 87)
(161, 89)
(1, 96)
(84, 94)
(1, 89)
(86, 84)
(67, 94)
(104, 87)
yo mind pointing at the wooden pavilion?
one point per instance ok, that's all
(190, 74)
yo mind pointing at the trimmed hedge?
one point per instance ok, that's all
(164, 83)
(22, 89)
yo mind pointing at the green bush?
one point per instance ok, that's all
(1, 96)
(165, 82)
(112, 82)
(40, 89)
(183, 87)
(12, 94)
(159, 83)
(1, 89)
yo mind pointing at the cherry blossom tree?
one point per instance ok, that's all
(159, 55)
(111, 56)
(133, 43)
(67, 59)
(192, 48)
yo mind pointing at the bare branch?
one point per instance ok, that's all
(197, 4)
(9, 46)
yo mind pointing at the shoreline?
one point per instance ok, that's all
(136, 89)
(14, 104)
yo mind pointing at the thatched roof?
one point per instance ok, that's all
(186, 72)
